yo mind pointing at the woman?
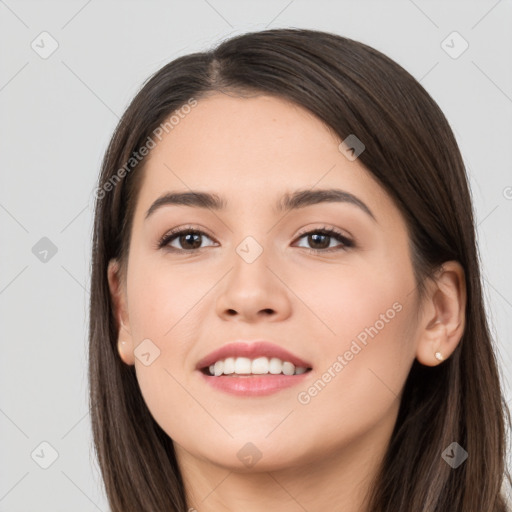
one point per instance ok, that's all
(286, 306)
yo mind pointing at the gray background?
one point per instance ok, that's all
(58, 114)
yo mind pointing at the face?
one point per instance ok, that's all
(343, 302)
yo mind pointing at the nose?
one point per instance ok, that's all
(254, 292)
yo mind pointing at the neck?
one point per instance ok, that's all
(333, 479)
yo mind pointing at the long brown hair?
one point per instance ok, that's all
(411, 150)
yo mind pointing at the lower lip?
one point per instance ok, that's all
(254, 385)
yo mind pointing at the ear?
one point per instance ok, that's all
(117, 288)
(443, 317)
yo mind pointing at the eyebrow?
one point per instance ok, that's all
(289, 201)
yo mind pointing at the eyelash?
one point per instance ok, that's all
(333, 233)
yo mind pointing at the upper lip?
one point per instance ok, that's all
(252, 350)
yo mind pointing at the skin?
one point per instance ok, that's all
(316, 456)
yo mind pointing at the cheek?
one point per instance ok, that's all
(366, 349)
(164, 312)
(358, 387)
(161, 299)
(354, 301)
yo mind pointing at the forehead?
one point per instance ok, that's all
(252, 148)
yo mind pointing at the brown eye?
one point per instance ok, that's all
(320, 240)
(187, 240)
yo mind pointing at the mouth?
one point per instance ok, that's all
(252, 369)
(246, 367)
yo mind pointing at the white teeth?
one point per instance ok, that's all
(275, 366)
(229, 365)
(218, 368)
(288, 368)
(242, 365)
(258, 366)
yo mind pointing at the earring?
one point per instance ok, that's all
(439, 356)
